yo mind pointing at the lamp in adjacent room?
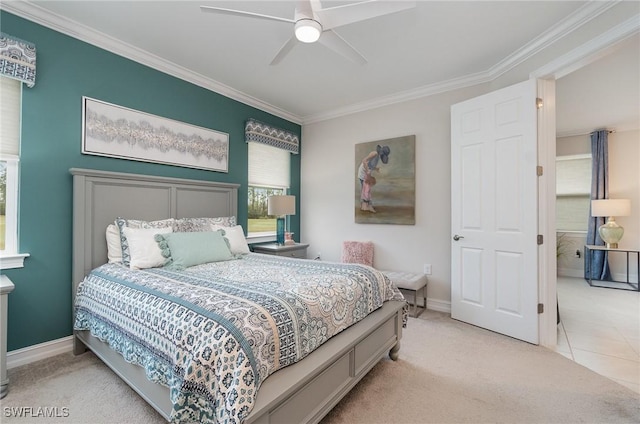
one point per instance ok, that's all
(282, 206)
(611, 232)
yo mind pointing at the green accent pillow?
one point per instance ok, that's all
(183, 250)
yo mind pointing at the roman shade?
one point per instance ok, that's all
(269, 166)
(10, 92)
(573, 191)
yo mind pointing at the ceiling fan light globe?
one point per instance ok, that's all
(308, 30)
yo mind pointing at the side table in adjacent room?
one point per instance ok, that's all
(624, 285)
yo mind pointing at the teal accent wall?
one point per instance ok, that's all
(40, 307)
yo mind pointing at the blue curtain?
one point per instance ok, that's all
(599, 190)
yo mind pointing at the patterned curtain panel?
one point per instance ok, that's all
(18, 59)
(276, 137)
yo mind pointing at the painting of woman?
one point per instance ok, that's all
(385, 181)
(368, 165)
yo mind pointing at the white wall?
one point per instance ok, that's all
(328, 171)
(624, 183)
(571, 263)
(574, 145)
(327, 214)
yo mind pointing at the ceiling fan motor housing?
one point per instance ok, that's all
(308, 30)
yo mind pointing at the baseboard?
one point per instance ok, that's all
(30, 354)
(579, 273)
(570, 272)
(439, 305)
(622, 277)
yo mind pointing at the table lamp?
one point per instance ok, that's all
(282, 206)
(611, 232)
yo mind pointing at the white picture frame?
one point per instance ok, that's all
(119, 132)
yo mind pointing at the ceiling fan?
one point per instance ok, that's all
(314, 23)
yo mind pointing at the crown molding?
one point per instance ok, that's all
(561, 29)
(404, 96)
(580, 17)
(574, 21)
(590, 51)
(39, 15)
(81, 32)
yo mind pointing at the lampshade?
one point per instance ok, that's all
(611, 207)
(610, 232)
(308, 30)
(281, 205)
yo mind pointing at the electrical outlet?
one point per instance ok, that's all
(427, 269)
(578, 253)
(318, 257)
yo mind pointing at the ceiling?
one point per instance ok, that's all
(436, 46)
(603, 94)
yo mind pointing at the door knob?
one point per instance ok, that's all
(457, 237)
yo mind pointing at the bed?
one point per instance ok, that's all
(300, 392)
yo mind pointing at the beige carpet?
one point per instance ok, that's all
(448, 372)
(451, 372)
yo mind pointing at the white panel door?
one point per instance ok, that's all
(494, 220)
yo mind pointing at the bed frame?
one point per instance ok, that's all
(300, 393)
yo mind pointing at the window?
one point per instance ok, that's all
(8, 185)
(269, 174)
(259, 222)
(573, 192)
(10, 93)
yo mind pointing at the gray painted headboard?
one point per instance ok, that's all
(99, 197)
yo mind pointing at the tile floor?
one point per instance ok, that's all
(600, 329)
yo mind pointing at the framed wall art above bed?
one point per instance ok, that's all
(119, 132)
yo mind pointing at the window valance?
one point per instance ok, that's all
(276, 137)
(18, 59)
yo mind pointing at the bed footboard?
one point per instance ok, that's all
(303, 392)
(307, 391)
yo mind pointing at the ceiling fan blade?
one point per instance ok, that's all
(284, 50)
(333, 17)
(315, 5)
(304, 9)
(224, 11)
(338, 44)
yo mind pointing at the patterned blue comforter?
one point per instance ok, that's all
(212, 333)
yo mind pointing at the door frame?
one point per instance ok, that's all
(547, 75)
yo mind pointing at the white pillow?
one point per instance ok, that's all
(136, 223)
(143, 248)
(114, 248)
(237, 241)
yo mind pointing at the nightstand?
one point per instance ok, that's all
(298, 250)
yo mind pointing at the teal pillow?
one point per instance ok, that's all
(183, 250)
